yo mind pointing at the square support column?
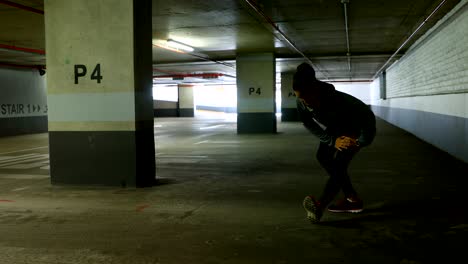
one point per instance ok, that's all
(256, 93)
(99, 67)
(186, 103)
(288, 99)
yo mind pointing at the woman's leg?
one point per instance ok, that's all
(336, 164)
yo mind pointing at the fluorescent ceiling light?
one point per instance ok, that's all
(165, 46)
(178, 45)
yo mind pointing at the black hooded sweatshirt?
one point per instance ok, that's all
(340, 114)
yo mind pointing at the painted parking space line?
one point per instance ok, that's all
(28, 165)
(28, 160)
(20, 189)
(14, 158)
(216, 142)
(23, 176)
(211, 127)
(183, 156)
(22, 150)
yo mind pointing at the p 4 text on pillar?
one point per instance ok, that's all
(255, 90)
(81, 70)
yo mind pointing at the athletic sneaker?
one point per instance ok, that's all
(347, 206)
(313, 209)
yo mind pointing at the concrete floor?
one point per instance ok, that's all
(228, 198)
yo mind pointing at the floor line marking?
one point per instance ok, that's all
(216, 142)
(173, 156)
(23, 150)
(15, 158)
(209, 127)
(25, 166)
(23, 176)
(20, 189)
(23, 158)
(23, 161)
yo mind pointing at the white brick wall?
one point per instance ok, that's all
(358, 90)
(375, 91)
(437, 63)
(445, 104)
(427, 89)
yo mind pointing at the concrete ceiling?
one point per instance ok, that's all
(295, 30)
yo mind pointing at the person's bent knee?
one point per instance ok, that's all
(324, 158)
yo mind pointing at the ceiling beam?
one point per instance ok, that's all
(23, 7)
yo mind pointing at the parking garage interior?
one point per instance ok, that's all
(119, 146)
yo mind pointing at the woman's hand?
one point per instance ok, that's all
(345, 142)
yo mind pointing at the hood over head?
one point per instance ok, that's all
(304, 81)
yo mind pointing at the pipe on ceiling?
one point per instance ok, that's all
(348, 53)
(352, 81)
(21, 49)
(165, 71)
(207, 75)
(196, 56)
(40, 68)
(270, 22)
(212, 60)
(409, 38)
(23, 7)
(194, 75)
(2, 64)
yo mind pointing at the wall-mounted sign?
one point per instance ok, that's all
(13, 110)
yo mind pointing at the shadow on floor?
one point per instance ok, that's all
(428, 230)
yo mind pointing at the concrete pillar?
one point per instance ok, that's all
(186, 104)
(165, 108)
(256, 93)
(288, 99)
(99, 67)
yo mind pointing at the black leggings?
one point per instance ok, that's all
(336, 164)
